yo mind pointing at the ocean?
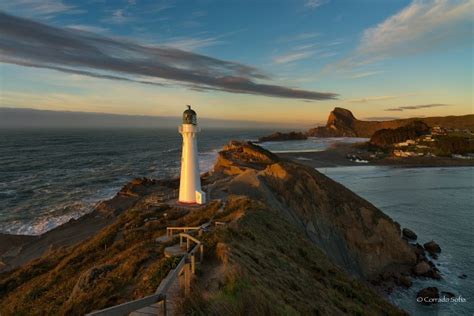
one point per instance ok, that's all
(48, 177)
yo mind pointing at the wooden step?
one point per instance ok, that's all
(174, 250)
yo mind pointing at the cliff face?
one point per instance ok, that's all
(350, 230)
(342, 123)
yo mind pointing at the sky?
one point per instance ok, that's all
(287, 62)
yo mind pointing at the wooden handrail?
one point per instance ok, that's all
(169, 230)
(128, 307)
(186, 265)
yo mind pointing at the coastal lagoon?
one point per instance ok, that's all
(50, 176)
(438, 204)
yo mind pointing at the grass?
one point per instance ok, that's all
(272, 269)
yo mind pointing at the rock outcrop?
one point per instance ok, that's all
(351, 231)
(342, 123)
(278, 136)
(432, 247)
(428, 295)
(409, 234)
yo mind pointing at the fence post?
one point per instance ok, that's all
(193, 263)
(201, 252)
(180, 279)
(163, 306)
(180, 241)
(187, 279)
(187, 244)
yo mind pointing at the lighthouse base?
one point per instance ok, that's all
(200, 199)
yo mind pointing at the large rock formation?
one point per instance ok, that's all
(342, 123)
(351, 231)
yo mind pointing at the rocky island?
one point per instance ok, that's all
(282, 226)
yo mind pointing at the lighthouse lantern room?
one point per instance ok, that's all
(190, 182)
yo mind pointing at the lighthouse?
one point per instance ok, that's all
(190, 182)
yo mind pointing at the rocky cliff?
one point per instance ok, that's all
(342, 123)
(351, 231)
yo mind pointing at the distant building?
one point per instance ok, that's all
(438, 130)
(406, 143)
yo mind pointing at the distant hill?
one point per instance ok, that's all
(388, 136)
(342, 123)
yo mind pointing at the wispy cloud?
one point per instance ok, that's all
(119, 16)
(305, 36)
(416, 107)
(380, 98)
(38, 8)
(421, 26)
(292, 57)
(365, 74)
(87, 28)
(191, 44)
(313, 4)
(26, 42)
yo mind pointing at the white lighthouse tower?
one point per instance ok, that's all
(190, 182)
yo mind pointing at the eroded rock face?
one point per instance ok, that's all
(350, 230)
(340, 123)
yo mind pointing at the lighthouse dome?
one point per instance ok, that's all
(189, 116)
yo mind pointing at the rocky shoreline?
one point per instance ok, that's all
(327, 221)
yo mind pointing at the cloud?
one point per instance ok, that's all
(422, 26)
(119, 16)
(26, 42)
(191, 44)
(313, 4)
(380, 98)
(291, 57)
(38, 8)
(365, 74)
(305, 36)
(87, 28)
(415, 107)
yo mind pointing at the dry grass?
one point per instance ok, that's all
(272, 269)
